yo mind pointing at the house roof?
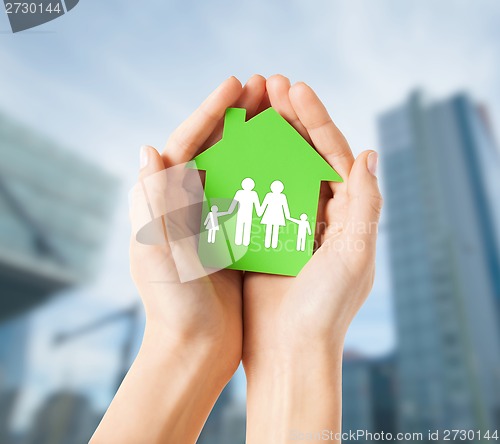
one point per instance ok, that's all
(265, 138)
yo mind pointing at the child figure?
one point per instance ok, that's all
(304, 230)
(212, 223)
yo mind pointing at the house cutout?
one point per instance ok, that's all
(262, 190)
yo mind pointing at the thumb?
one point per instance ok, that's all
(151, 161)
(144, 198)
(365, 200)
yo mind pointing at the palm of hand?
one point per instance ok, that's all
(278, 307)
(196, 309)
(282, 312)
(207, 310)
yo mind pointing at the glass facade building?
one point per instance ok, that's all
(54, 213)
(440, 168)
(357, 396)
(368, 394)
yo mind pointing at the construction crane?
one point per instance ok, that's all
(131, 313)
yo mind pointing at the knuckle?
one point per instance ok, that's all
(377, 203)
(208, 114)
(181, 144)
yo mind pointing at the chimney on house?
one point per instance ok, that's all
(234, 117)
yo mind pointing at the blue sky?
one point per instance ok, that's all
(111, 76)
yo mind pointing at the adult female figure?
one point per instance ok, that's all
(275, 212)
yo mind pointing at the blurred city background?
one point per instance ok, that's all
(417, 80)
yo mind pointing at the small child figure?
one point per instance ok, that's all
(212, 223)
(304, 230)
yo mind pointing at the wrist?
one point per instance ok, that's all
(197, 353)
(293, 360)
(168, 378)
(299, 389)
(290, 349)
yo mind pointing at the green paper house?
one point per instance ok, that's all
(261, 189)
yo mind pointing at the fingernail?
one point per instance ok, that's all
(144, 156)
(372, 163)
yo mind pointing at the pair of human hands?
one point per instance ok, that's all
(253, 317)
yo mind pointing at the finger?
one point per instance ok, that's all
(264, 104)
(365, 200)
(325, 195)
(327, 138)
(278, 87)
(251, 96)
(192, 133)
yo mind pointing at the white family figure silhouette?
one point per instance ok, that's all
(212, 223)
(304, 230)
(274, 212)
(246, 199)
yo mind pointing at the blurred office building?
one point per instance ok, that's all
(441, 171)
(66, 418)
(54, 214)
(234, 423)
(227, 421)
(13, 340)
(356, 394)
(368, 393)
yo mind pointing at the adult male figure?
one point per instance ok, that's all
(246, 199)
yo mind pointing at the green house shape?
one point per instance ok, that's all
(267, 150)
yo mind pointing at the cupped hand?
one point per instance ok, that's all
(286, 315)
(205, 313)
